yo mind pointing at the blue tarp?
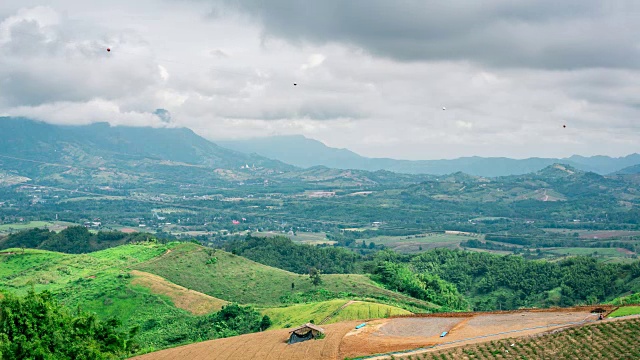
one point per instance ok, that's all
(443, 334)
(361, 325)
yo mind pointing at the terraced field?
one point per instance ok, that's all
(382, 336)
(606, 340)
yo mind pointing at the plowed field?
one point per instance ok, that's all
(380, 336)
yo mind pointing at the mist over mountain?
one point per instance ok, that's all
(304, 152)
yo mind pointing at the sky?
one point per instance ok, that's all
(406, 79)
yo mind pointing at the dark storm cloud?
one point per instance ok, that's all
(534, 33)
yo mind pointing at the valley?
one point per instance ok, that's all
(195, 242)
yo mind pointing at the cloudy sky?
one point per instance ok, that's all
(372, 75)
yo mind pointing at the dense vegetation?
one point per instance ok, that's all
(460, 279)
(37, 327)
(282, 253)
(72, 240)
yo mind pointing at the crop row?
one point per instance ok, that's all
(607, 340)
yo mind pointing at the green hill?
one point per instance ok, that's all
(100, 282)
(237, 279)
(170, 290)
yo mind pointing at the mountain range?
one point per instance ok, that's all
(100, 145)
(304, 152)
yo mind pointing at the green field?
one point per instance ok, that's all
(606, 252)
(51, 225)
(237, 279)
(625, 311)
(292, 316)
(317, 312)
(414, 243)
(364, 310)
(309, 238)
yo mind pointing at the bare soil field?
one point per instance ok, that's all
(269, 345)
(383, 336)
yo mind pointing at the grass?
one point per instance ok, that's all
(625, 311)
(100, 282)
(192, 301)
(413, 243)
(308, 238)
(292, 316)
(295, 315)
(52, 225)
(363, 310)
(237, 279)
(606, 340)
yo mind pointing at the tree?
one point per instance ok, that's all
(36, 327)
(265, 323)
(314, 274)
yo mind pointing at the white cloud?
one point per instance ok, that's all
(228, 76)
(70, 113)
(314, 61)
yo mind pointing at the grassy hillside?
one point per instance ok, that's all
(100, 282)
(236, 279)
(167, 289)
(608, 340)
(335, 310)
(363, 310)
(295, 315)
(625, 311)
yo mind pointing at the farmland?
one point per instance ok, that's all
(380, 336)
(607, 340)
(51, 225)
(420, 242)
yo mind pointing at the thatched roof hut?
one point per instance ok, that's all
(305, 332)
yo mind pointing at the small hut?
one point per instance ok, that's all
(305, 332)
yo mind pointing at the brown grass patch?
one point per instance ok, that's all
(195, 302)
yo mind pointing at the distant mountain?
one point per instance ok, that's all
(106, 155)
(46, 142)
(304, 152)
(630, 170)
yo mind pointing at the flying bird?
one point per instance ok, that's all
(295, 84)
(444, 108)
(108, 49)
(564, 126)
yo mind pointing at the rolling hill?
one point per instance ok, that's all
(169, 290)
(304, 152)
(237, 279)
